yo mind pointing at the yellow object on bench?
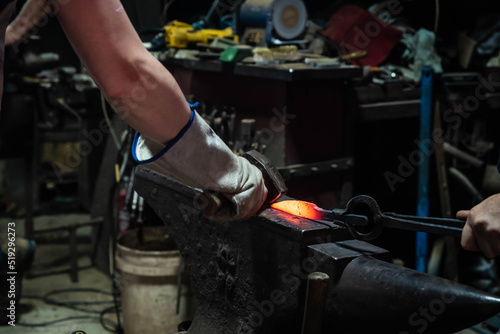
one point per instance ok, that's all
(180, 35)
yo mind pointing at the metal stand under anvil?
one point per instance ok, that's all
(250, 276)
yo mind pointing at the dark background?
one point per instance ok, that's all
(378, 144)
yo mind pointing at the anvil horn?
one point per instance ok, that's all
(393, 299)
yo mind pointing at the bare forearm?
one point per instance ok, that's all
(31, 14)
(137, 86)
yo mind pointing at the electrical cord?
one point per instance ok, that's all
(436, 20)
(165, 9)
(108, 122)
(72, 111)
(125, 146)
(126, 143)
(114, 229)
(51, 301)
(77, 306)
(103, 320)
(44, 324)
(74, 305)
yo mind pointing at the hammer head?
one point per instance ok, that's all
(275, 184)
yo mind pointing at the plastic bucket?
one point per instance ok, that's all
(148, 263)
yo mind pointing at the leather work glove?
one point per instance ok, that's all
(198, 158)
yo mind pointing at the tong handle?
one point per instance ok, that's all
(446, 226)
(366, 205)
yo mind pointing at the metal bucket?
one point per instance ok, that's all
(148, 263)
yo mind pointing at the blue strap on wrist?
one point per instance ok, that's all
(170, 143)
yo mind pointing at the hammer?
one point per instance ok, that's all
(273, 181)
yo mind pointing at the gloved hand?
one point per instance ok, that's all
(198, 158)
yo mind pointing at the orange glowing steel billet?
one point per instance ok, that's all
(299, 208)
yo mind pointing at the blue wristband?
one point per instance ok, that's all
(167, 145)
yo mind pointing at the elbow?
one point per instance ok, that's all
(127, 86)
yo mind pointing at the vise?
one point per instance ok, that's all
(250, 277)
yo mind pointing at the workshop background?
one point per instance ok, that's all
(338, 110)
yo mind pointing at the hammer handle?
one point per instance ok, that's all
(211, 203)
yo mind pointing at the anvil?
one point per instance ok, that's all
(250, 276)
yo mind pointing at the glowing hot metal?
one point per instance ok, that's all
(301, 209)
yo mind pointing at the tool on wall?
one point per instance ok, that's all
(222, 121)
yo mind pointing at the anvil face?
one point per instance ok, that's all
(250, 276)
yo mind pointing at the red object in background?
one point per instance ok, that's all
(355, 29)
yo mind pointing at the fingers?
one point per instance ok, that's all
(475, 230)
(481, 231)
(468, 240)
(487, 237)
(463, 214)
